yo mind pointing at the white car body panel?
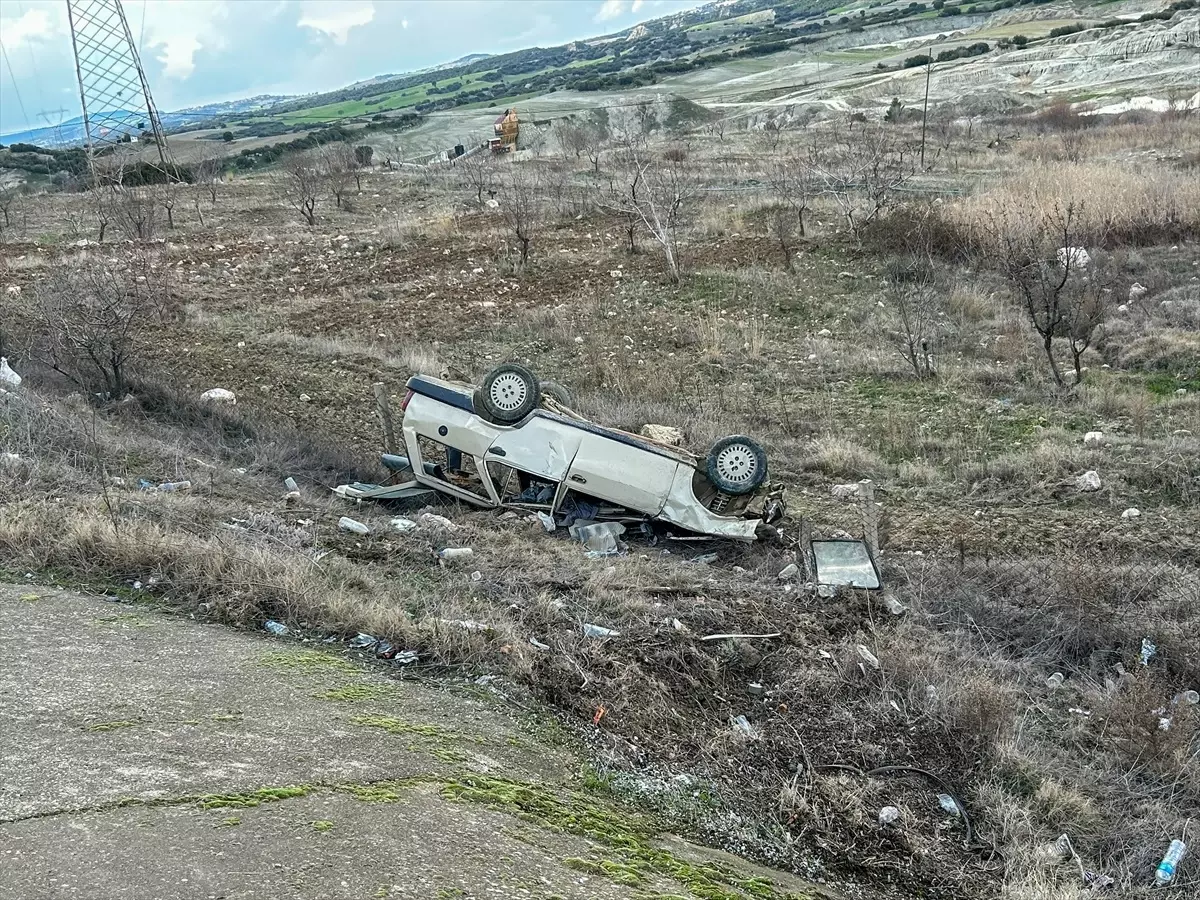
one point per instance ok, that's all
(539, 447)
(624, 475)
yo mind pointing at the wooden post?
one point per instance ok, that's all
(870, 514)
(384, 407)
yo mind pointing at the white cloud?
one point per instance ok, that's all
(637, 4)
(611, 9)
(336, 18)
(179, 30)
(35, 23)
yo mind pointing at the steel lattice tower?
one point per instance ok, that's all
(117, 106)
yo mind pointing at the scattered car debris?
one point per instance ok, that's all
(347, 524)
(173, 486)
(754, 689)
(405, 658)
(536, 643)
(735, 636)
(948, 803)
(599, 631)
(706, 559)
(894, 606)
(1148, 650)
(219, 395)
(1188, 698)
(546, 520)
(362, 641)
(290, 484)
(889, 815)
(600, 537)
(867, 656)
(1131, 513)
(276, 628)
(7, 375)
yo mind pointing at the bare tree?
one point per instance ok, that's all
(133, 210)
(8, 199)
(206, 176)
(477, 170)
(572, 137)
(338, 164)
(303, 187)
(911, 303)
(168, 194)
(662, 187)
(522, 205)
(791, 179)
(1064, 292)
(92, 319)
(860, 170)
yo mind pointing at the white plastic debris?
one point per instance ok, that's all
(536, 643)
(1148, 650)
(492, 204)
(662, 434)
(894, 606)
(9, 459)
(1131, 513)
(304, 398)
(402, 524)
(948, 803)
(347, 524)
(600, 537)
(888, 815)
(791, 570)
(1055, 681)
(1188, 698)
(172, 486)
(824, 332)
(1075, 257)
(742, 724)
(599, 631)
(546, 520)
(7, 375)
(1093, 439)
(290, 484)
(432, 520)
(1088, 482)
(867, 656)
(218, 395)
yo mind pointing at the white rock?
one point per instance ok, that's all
(1076, 256)
(1131, 513)
(1093, 438)
(7, 375)
(304, 398)
(824, 332)
(13, 290)
(888, 815)
(1089, 481)
(845, 491)
(218, 395)
(432, 520)
(1136, 292)
(662, 434)
(492, 204)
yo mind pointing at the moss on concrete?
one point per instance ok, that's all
(247, 799)
(305, 662)
(354, 693)
(112, 726)
(392, 725)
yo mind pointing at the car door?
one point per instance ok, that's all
(542, 447)
(622, 473)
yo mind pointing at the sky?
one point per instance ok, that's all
(201, 51)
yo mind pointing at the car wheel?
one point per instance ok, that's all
(509, 393)
(737, 465)
(558, 393)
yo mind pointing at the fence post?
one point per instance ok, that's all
(384, 408)
(870, 514)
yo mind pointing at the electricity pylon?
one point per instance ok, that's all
(113, 90)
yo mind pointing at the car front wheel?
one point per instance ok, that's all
(737, 465)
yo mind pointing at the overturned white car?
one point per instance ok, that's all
(509, 443)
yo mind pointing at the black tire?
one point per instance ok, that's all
(737, 465)
(509, 393)
(558, 393)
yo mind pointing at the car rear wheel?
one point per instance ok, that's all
(737, 465)
(509, 393)
(558, 393)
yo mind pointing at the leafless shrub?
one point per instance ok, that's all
(8, 199)
(478, 172)
(572, 137)
(522, 204)
(206, 176)
(658, 191)
(91, 318)
(133, 211)
(304, 185)
(338, 165)
(791, 179)
(860, 169)
(912, 309)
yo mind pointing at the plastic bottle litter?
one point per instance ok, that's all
(1055, 681)
(1189, 698)
(455, 553)
(888, 815)
(347, 524)
(1148, 650)
(788, 571)
(169, 486)
(7, 375)
(1170, 863)
(276, 628)
(599, 631)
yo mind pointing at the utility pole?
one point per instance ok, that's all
(925, 109)
(113, 90)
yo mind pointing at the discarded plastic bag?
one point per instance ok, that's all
(600, 537)
(276, 628)
(599, 631)
(432, 520)
(7, 375)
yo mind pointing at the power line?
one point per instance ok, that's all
(16, 90)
